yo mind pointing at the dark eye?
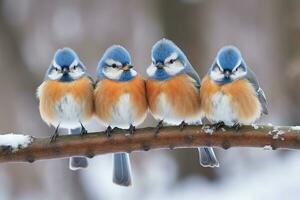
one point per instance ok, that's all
(172, 61)
(74, 67)
(56, 69)
(238, 68)
(113, 65)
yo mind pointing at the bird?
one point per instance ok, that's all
(66, 98)
(120, 102)
(172, 90)
(230, 93)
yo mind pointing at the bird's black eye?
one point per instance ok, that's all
(172, 61)
(56, 69)
(238, 68)
(114, 65)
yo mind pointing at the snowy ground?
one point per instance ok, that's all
(260, 175)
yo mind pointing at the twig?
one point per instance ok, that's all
(145, 139)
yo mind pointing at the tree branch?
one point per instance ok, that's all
(145, 139)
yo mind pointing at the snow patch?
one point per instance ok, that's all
(208, 130)
(277, 134)
(15, 141)
(255, 126)
(295, 128)
(268, 147)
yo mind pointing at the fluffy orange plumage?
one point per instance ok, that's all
(108, 92)
(180, 92)
(241, 95)
(50, 92)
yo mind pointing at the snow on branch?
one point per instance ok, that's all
(13, 142)
(22, 148)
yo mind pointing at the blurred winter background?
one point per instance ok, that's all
(268, 34)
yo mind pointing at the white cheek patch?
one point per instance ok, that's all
(133, 72)
(216, 75)
(238, 74)
(77, 73)
(112, 73)
(174, 68)
(151, 70)
(55, 75)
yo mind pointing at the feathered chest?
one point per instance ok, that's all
(114, 100)
(178, 95)
(232, 102)
(66, 101)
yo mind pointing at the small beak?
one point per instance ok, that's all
(227, 74)
(127, 67)
(66, 70)
(159, 65)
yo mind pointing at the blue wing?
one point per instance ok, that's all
(259, 92)
(191, 72)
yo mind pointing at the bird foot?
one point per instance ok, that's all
(237, 126)
(83, 130)
(159, 126)
(218, 125)
(131, 129)
(182, 125)
(108, 131)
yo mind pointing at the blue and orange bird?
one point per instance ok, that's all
(230, 93)
(66, 97)
(173, 92)
(120, 102)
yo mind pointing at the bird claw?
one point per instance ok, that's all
(108, 131)
(237, 126)
(182, 125)
(131, 129)
(54, 135)
(83, 130)
(218, 125)
(159, 126)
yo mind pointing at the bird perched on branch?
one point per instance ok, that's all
(173, 92)
(66, 97)
(230, 93)
(120, 102)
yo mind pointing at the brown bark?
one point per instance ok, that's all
(145, 139)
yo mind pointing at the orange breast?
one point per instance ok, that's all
(241, 94)
(50, 92)
(180, 91)
(108, 93)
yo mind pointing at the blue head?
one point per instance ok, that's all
(167, 60)
(65, 66)
(115, 64)
(228, 65)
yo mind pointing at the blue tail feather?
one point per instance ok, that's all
(77, 162)
(121, 170)
(207, 157)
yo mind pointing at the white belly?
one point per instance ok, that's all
(68, 112)
(222, 109)
(165, 111)
(122, 114)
